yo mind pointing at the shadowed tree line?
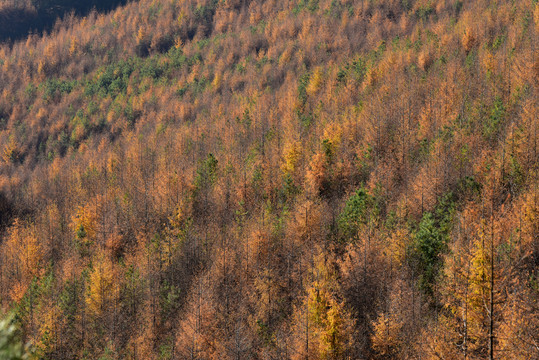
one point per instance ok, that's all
(18, 19)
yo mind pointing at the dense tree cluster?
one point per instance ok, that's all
(304, 179)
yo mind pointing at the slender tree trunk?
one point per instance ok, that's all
(491, 302)
(466, 316)
(307, 329)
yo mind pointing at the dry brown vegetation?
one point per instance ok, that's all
(242, 179)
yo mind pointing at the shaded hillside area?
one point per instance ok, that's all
(263, 179)
(20, 18)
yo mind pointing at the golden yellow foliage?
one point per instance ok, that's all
(84, 222)
(22, 242)
(387, 339)
(102, 285)
(322, 321)
(292, 156)
(397, 244)
(25, 255)
(10, 153)
(74, 46)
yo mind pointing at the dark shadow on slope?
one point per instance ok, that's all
(6, 212)
(18, 22)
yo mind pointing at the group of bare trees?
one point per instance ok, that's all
(274, 180)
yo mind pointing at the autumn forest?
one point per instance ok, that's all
(264, 179)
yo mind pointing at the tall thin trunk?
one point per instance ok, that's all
(466, 316)
(491, 302)
(307, 329)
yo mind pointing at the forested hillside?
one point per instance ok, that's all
(301, 179)
(19, 18)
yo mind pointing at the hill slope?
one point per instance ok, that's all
(261, 179)
(20, 18)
